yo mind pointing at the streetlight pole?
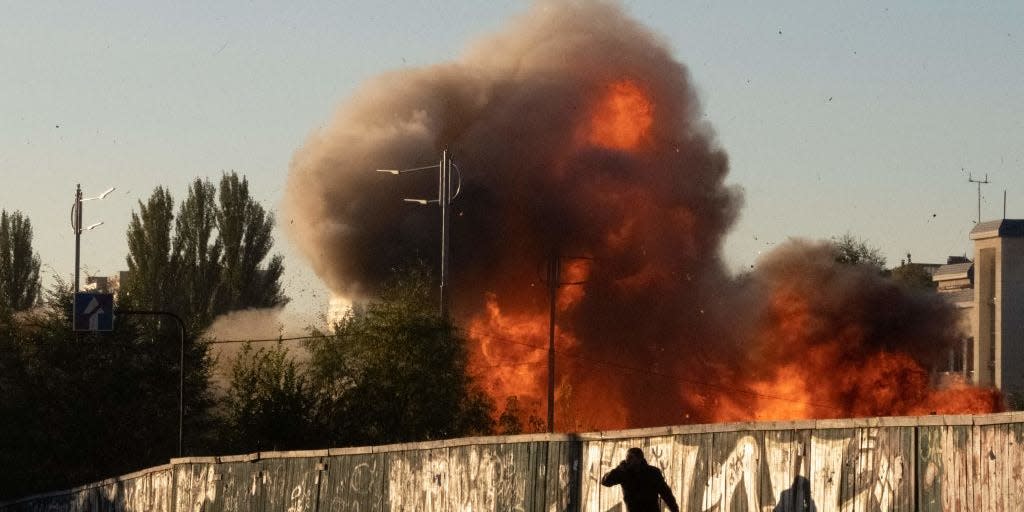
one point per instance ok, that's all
(76, 224)
(445, 197)
(76, 221)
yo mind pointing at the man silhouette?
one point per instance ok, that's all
(641, 484)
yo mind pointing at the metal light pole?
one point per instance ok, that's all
(445, 197)
(76, 223)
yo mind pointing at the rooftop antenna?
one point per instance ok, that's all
(1004, 204)
(970, 179)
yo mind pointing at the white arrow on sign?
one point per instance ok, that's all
(94, 311)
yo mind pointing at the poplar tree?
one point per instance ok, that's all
(149, 253)
(216, 259)
(19, 265)
(244, 229)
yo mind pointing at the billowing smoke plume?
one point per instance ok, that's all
(578, 134)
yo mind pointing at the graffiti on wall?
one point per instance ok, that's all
(775, 471)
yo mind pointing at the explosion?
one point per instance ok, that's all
(581, 141)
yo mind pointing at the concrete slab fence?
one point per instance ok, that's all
(929, 463)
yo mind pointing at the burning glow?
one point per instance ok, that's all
(821, 368)
(508, 352)
(623, 117)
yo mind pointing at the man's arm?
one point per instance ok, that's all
(614, 477)
(666, 494)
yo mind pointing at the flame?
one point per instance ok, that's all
(508, 350)
(622, 118)
(824, 370)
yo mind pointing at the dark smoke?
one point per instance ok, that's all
(510, 110)
(650, 217)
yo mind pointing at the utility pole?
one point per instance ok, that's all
(76, 223)
(970, 179)
(554, 271)
(445, 197)
(554, 278)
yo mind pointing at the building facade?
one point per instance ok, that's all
(990, 294)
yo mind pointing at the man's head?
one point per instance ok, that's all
(635, 455)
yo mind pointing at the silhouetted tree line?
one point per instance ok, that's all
(78, 407)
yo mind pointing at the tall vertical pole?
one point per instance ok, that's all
(444, 198)
(78, 230)
(554, 262)
(970, 179)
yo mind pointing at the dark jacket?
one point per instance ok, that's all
(641, 486)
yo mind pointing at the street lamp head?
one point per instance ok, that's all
(390, 171)
(424, 202)
(93, 226)
(101, 196)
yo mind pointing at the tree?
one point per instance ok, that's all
(214, 261)
(19, 266)
(395, 370)
(244, 230)
(66, 399)
(913, 275)
(197, 253)
(270, 404)
(852, 251)
(149, 253)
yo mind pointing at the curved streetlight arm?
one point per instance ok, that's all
(101, 196)
(406, 171)
(458, 186)
(181, 361)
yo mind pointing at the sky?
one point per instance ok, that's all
(855, 117)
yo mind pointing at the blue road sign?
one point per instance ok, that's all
(94, 312)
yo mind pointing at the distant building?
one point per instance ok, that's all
(990, 294)
(105, 284)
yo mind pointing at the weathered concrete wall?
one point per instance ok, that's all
(929, 463)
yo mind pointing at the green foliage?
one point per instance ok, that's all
(270, 404)
(149, 252)
(197, 252)
(853, 251)
(77, 408)
(244, 230)
(914, 276)
(19, 266)
(395, 370)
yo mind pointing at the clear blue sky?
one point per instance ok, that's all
(838, 117)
